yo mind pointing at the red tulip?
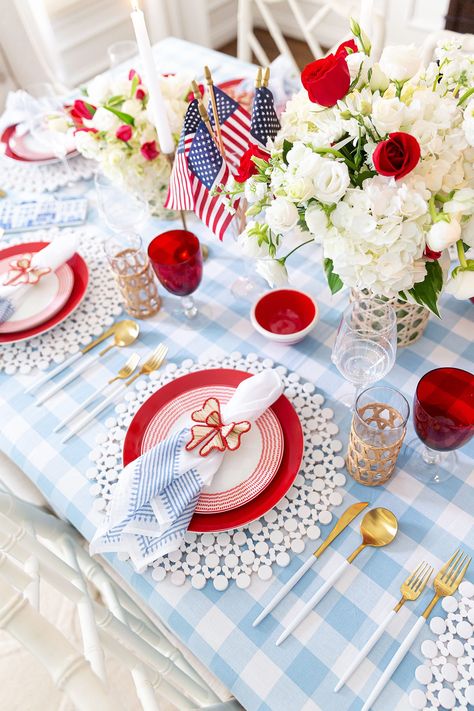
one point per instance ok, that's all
(149, 150)
(124, 132)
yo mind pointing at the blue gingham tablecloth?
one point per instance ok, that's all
(217, 627)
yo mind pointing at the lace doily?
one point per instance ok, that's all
(448, 671)
(98, 310)
(42, 178)
(256, 548)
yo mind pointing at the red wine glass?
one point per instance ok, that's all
(177, 260)
(443, 415)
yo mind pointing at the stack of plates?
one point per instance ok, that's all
(250, 481)
(47, 303)
(24, 148)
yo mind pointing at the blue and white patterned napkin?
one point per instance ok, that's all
(156, 495)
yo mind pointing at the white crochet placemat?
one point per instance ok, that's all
(98, 310)
(256, 548)
(43, 178)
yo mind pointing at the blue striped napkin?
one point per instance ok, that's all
(155, 496)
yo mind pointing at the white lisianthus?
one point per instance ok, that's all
(282, 215)
(104, 120)
(299, 189)
(442, 234)
(58, 123)
(316, 220)
(378, 80)
(359, 65)
(387, 115)
(253, 245)
(331, 181)
(99, 89)
(132, 107)
(401, 62)
(467, 233)
(462, 201)
(87, 144)
(461, 285)
(255, 190)
(273, 271)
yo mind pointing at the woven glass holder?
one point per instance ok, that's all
(134, 275)
(411, 318)
(377, 433)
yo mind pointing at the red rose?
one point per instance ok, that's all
(149, 150)
(397, 156)
(430, 254)
(140, 94)
(326, 80)
(82, 109)
(342, 49)
(124, 132)
(247, 167)
(132, 73)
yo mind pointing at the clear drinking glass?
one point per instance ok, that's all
(133, 273)
(122, 211)
(366, 344)
(119, 52)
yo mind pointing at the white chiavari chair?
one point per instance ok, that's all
(247, 41)
(433, 39)
(35, 544)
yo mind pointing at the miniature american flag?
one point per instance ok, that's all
(265, 124)
(208, 169)
(234, 121)
(180, 193)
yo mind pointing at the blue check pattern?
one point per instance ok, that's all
(301, 674)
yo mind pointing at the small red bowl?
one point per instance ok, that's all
(284, 315)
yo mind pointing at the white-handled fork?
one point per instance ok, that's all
(411, 589)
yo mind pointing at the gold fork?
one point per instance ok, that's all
(153, 362)
(124, 372)
(410, 589)
(446, 582)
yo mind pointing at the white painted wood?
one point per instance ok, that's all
(69, 670)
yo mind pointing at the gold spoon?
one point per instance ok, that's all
(124, 334)
(378, 528)
(124, 372)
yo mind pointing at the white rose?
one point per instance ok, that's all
(105, 120)
(273, 271)
(442, 234)
(332, 181)
(462, 285)
(388, 115)
(316, 220)
(255, 190)
(462, 201)
(282, 215)
(401, 62)
(249, 244)
(378, 80)
(87, 144)
(299, 189)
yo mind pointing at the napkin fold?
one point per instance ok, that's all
(20, 108)
(155, 496)
(50, 257)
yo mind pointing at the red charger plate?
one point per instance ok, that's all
(277, 487)
(81, 279)
(10, 153)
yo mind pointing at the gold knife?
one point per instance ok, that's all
(349, 515)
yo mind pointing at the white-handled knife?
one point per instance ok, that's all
(347, 517)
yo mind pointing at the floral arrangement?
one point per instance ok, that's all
(112, 126)
(376, 161)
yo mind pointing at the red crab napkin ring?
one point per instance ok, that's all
(211, 432)
(21, 271)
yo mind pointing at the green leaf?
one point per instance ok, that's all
(287, 146)
(115, 100)
(334, 280)
(126, 118)
(426, 292)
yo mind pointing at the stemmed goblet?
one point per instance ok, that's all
(443, 416)
(366, 343)
(177, 260)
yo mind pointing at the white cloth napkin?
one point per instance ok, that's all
(155, 496)
(56, 253)
(20, 108)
